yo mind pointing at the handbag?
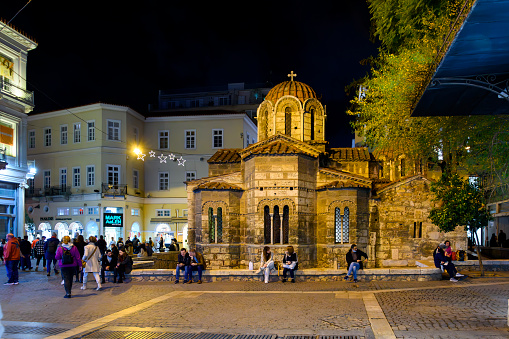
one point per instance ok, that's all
(84, 262)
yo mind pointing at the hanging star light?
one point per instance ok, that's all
(181, 161)
(152, 154)
(162, 158)
(141, 156)
(172, 157)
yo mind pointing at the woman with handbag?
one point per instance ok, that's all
(92, 257)
(69, 260)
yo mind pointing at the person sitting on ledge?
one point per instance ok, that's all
(290, 264)
(441, 261)
(266, 263)
(196, 263)
(182, 262)
(354, 262)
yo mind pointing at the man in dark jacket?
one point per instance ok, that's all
(50, 249)
(354, 261)
(101, 243)
(108, 263)
(12, 255)
(182, 262)
(26, 249)
(136, 245)
(197, 263)
(441, 261)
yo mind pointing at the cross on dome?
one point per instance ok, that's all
(291, 75)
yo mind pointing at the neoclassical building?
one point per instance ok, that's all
(291, 188)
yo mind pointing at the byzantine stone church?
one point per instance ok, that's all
(291, 188)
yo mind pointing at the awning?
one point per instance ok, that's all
(472, 76)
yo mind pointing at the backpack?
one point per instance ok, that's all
(66, 256)
(52, 247)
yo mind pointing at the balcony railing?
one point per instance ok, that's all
(17, 92)
(109, 189)
(48, 191)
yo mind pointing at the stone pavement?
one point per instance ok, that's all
(471, 308)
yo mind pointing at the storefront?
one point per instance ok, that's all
(135, 231)
(164, 231)
(76, 228)
(44, 229)
(62, 229)
(113, 221)
(92, 229)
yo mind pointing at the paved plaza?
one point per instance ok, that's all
(472, 308)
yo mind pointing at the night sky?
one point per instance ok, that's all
(123, 52)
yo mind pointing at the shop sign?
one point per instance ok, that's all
(46, 218)
(62, 218)
(113, 220)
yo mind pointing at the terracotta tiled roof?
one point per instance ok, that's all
(279, 147)
(342, 184)
(225, 156)
(350, 154)
(216, 185)
(295, 88)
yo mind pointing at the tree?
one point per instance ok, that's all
(460, 203)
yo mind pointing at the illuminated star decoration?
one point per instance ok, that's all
(181, 161)
(162, 158)
(141, 156)
(172, 157)
(152, 154)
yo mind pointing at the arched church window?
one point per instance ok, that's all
(219, 227)
(266, 225)
(312, 123)
(342, 225)
(403, 168)
(288, 121)
(276, 228)
(212, 228)
(265, 124)
(286, 223)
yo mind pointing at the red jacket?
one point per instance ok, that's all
(11, 250)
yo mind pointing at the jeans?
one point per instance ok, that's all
(451, 269)
(353, 269)
(120, 271)
(177, 274)
(285, 270)
(26, 262)
(188, 276)
(67, 275)
(12, 270)
(39, 257)
(48, 266)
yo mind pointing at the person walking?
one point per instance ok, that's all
(101, 243)
(12, 254)
(80, 245)
(50, 249)
(266, 263)
(2, 244)
(26, 251)
(39, 253)
(91, 257)
(69, 261)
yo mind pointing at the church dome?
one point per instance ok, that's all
(296, 88)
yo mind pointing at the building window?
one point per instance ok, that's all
(247, 139)
(342, 225)
(47, 137)
(76, 176)
(312, 114)
(91, 131)
(164, 139)
(78, 211)
(288, 121)
(63, 135)
(275, 232)
(194, 103)
(190, 139)
(184, 213)
(91, 175)
(163, 213)
(215, 226)
(403, 168)
(92, 210)
(164, 181)
(217, 138)
(190, 175)
(63, 211)
(286, 224)
(135, 212)
(113, 173)
(114, 130)
(136, 134)
(31, 139)
(63, 178)
(136, 179)
(77, 132)
(47, 178)
(223, 101)
(418, 229)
